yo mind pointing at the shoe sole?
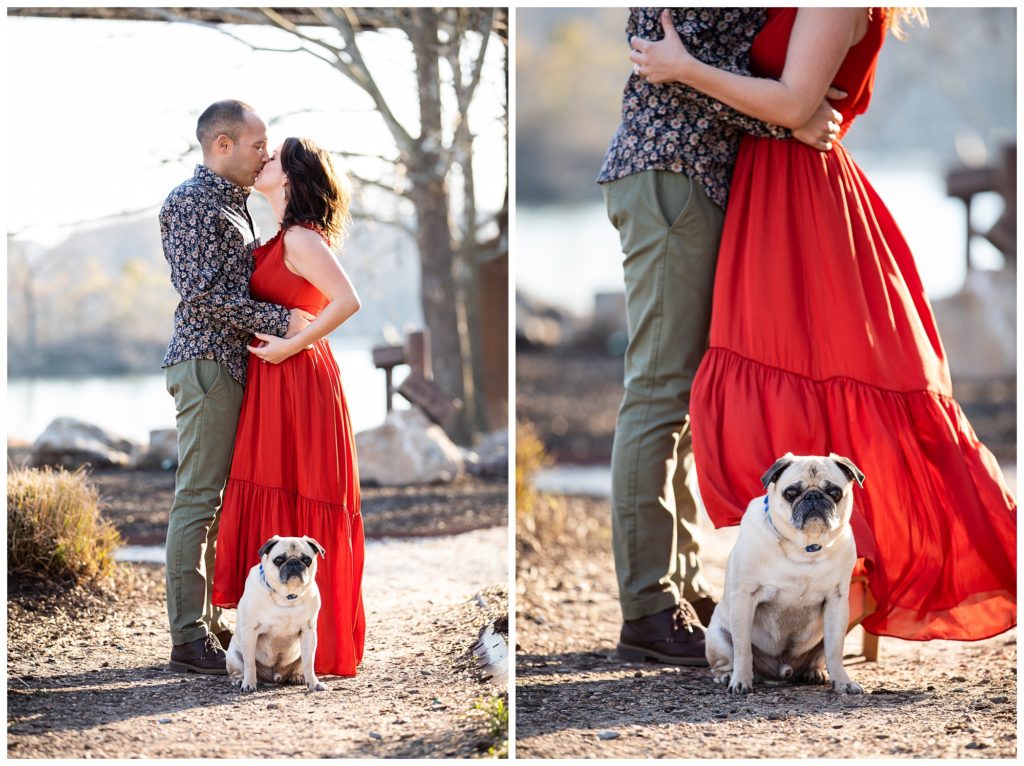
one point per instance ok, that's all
(182, 667)
(639, 654)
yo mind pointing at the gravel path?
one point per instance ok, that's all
(575, 699)
(87, 673)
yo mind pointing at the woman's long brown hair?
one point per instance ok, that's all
(317, 194)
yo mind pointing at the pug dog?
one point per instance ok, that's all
(785, 610)
(275, 631)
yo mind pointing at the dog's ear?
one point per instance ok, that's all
(317, 547)
(778, 467)
(265, 548)
(853, 473)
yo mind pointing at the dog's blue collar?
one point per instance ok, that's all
(263, 579)
(810, 548)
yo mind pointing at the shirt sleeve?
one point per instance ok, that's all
(196, 250)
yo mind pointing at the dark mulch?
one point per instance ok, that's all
(138, 503)
(571, 396)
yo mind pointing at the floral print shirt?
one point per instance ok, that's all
(674, 127)
(208, 239)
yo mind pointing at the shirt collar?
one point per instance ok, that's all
(221, 186)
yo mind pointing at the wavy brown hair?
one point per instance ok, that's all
(895, 18)
(317, 194)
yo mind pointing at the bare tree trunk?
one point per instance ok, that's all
(427, 173)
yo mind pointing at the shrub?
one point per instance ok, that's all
(540, 518)
(54, 527)
(530, 458)
(494, 710)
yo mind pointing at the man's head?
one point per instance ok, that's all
(234, 141)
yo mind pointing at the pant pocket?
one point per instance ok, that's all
(209, 375)
(673, 194)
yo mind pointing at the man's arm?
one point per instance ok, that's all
(190, 245)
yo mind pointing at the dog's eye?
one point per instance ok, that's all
(307, 560)
(791, 494)
(280, 560)
(836, 494)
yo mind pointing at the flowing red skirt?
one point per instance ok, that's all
(822, 340)
(294, 473)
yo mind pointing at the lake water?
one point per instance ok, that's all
(567, 253)
(133, 405)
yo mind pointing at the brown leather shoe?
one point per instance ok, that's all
(203, 655)
(673, 635)
(224, 637)
(704, 607)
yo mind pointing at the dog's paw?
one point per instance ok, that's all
(741, 686)
(316, 687)
(813, 676)
(246, 686)
(721, 678)
(850, 687)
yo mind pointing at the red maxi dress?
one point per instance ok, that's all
(294, 473)
(822, 340)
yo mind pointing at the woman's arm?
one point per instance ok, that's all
(818, 43)
(306, 254)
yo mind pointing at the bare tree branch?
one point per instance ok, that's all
(361, 216)
(391, 188)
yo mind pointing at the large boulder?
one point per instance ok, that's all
(489, 457)
(979, 326)
(407, 449)
(71, 444)
(161, 453)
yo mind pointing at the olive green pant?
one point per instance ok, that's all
(208, 401)
(670, 232)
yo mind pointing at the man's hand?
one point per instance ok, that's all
(274, 349)
(298, 320)
(823, 128)
(664, 60)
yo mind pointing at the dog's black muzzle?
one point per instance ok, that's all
(814, 504)
(293, 568)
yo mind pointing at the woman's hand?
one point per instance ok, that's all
(666, 60)
(274, 350)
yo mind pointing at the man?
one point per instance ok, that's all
(666, 181)
(208, 239)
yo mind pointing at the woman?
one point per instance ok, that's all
(294, 472)
(822, 340)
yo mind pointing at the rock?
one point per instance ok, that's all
(161, 453)
(375, 735)
(979, 325)
(71, 444)
(1000, 699)
(489, 458)
(607, 735)
(407, 449)
(539, 325)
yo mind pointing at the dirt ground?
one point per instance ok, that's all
(88, 674)
(138, 503)
(575, 699)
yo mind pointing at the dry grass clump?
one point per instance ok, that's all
(54, 527)
(540, 517)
